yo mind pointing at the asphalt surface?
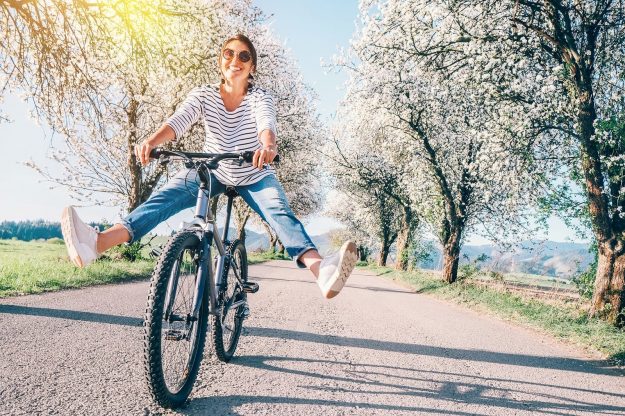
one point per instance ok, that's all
(376, 349)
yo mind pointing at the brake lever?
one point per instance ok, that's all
(164, 160)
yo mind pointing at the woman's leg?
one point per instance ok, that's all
(114, 236)
(178, 193)
(311, 259)
(84, 245)
(268, 199)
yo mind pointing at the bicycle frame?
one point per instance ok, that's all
(205, 220)
(205, 223)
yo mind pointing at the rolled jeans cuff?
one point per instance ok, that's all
(128, 228)
(298, 252)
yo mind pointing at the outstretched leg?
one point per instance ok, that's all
(268, 199)
(84, 244)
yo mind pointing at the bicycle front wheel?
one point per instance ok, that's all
(226, 327)
(173, 338)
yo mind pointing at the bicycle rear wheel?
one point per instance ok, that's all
(173, 339)
(226, 329)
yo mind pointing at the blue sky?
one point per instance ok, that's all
(313, 30)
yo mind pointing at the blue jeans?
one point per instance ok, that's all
(266, 197)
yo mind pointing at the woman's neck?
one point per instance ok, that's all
(237, 89)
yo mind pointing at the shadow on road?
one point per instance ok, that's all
(559, 363)
(70, 314)
(391, 382)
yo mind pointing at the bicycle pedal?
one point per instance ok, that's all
(173, 335)
(250, 287)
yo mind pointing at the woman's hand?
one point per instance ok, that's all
(266, 154)
(142, 152)
(162, 135)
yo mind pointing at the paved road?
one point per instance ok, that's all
(376, 349)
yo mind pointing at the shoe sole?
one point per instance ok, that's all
(347, 263)
(69, 235)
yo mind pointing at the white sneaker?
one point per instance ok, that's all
(335, 269)
(80, 238)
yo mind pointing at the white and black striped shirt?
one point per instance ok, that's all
(226, 131)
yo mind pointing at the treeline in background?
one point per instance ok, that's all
(34, 230)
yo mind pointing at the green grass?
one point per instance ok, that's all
(43, 266)
(566, 320)
(35, 267)
(263, 256)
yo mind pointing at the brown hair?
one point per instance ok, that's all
(242, 38)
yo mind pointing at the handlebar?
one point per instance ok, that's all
(212, 157)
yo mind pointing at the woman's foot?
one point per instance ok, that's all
(335, 269)
(80, 239)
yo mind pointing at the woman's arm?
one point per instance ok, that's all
(266, 125)
(269, 150)
(187, 113)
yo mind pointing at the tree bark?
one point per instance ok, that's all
(609, 283)
(363, 252)
(609, 286)
(451, 255)
(383, 256)
(273, 238)
(404, 238)
(134, 168)
(241, 215)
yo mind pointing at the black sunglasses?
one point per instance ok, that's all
(244, 56)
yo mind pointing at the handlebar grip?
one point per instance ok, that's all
(155, 153)
(249, 155)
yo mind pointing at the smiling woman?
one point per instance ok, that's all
(237, 116)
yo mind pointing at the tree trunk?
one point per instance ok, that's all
(363, 252)
(134, 168)
(610, 283)
(451, 256)
(383, 256)
(404, 238)
(610, 279)
(280, 247)
(241, 222)
(273, 238)
(214, 203)
(402, 249)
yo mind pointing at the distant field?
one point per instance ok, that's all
(42, 266)
(34, 267)
(531, 280)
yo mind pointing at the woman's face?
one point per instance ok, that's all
(231, 64)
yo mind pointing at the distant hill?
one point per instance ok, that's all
(546, 258)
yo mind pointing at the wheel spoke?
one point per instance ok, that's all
(177, 348)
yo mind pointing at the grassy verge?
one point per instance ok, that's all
(256, 257)
(35, 267)
(566, 320)
(43, 266)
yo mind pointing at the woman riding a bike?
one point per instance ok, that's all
(237, 117)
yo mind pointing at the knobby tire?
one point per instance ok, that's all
(153, 325)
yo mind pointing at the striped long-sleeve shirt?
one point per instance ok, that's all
(228, 131)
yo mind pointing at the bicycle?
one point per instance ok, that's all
(187, 291)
